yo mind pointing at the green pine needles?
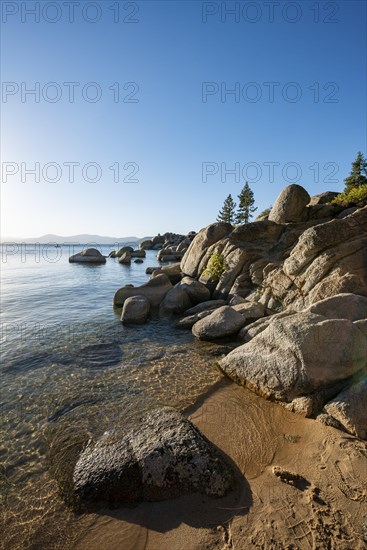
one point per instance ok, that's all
(245, 209)
(355, 192)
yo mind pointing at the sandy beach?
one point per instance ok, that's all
(325, 508)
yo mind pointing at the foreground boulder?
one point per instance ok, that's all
(224, 321)
(349, 408)
(290, 205)
(89, 255)
(164, 457)
(296, 355)
(135, 310)
(154, 290)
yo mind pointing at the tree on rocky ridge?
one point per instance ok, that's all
(227, 213)
(246, 205)
(358, 175)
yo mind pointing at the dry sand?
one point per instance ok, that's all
(323, 507)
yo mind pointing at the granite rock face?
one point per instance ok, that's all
(164, 457)
(298, 354)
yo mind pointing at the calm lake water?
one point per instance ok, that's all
(71, 371)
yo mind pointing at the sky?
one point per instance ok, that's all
(145, 115)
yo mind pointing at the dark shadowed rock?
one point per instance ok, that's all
(322, 198)
(190, 320)
(146, 245)
(135, 310)
(210, 304)
(175, 301)
(290, 205)
(164, 457)
(138, 254)
(172, 271)
(155, 290)
(196, 291)
(224, 321)
(125, 258)
(89, 255)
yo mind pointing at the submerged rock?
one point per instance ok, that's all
(164, 457)
(89, 255)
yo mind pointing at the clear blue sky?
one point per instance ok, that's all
(177, 123)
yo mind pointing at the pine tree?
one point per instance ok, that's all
(358, 173)
(227, 214)
(246, 205)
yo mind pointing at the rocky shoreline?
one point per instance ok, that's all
(291, 291)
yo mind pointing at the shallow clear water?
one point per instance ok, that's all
(71, 371)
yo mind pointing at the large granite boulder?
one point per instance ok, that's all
(175, 301)
(135, 310)
(298, 354)
(164, 457)
(155, 290)
(224, 321)
(203, 240)
(349, 408)
(196, 291)
(290, 205)
(89, 255)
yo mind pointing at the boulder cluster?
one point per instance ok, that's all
(292, 292)
(171, 246)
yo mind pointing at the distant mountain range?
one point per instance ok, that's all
(76, 239)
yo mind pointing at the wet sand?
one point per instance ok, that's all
(325, 509)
